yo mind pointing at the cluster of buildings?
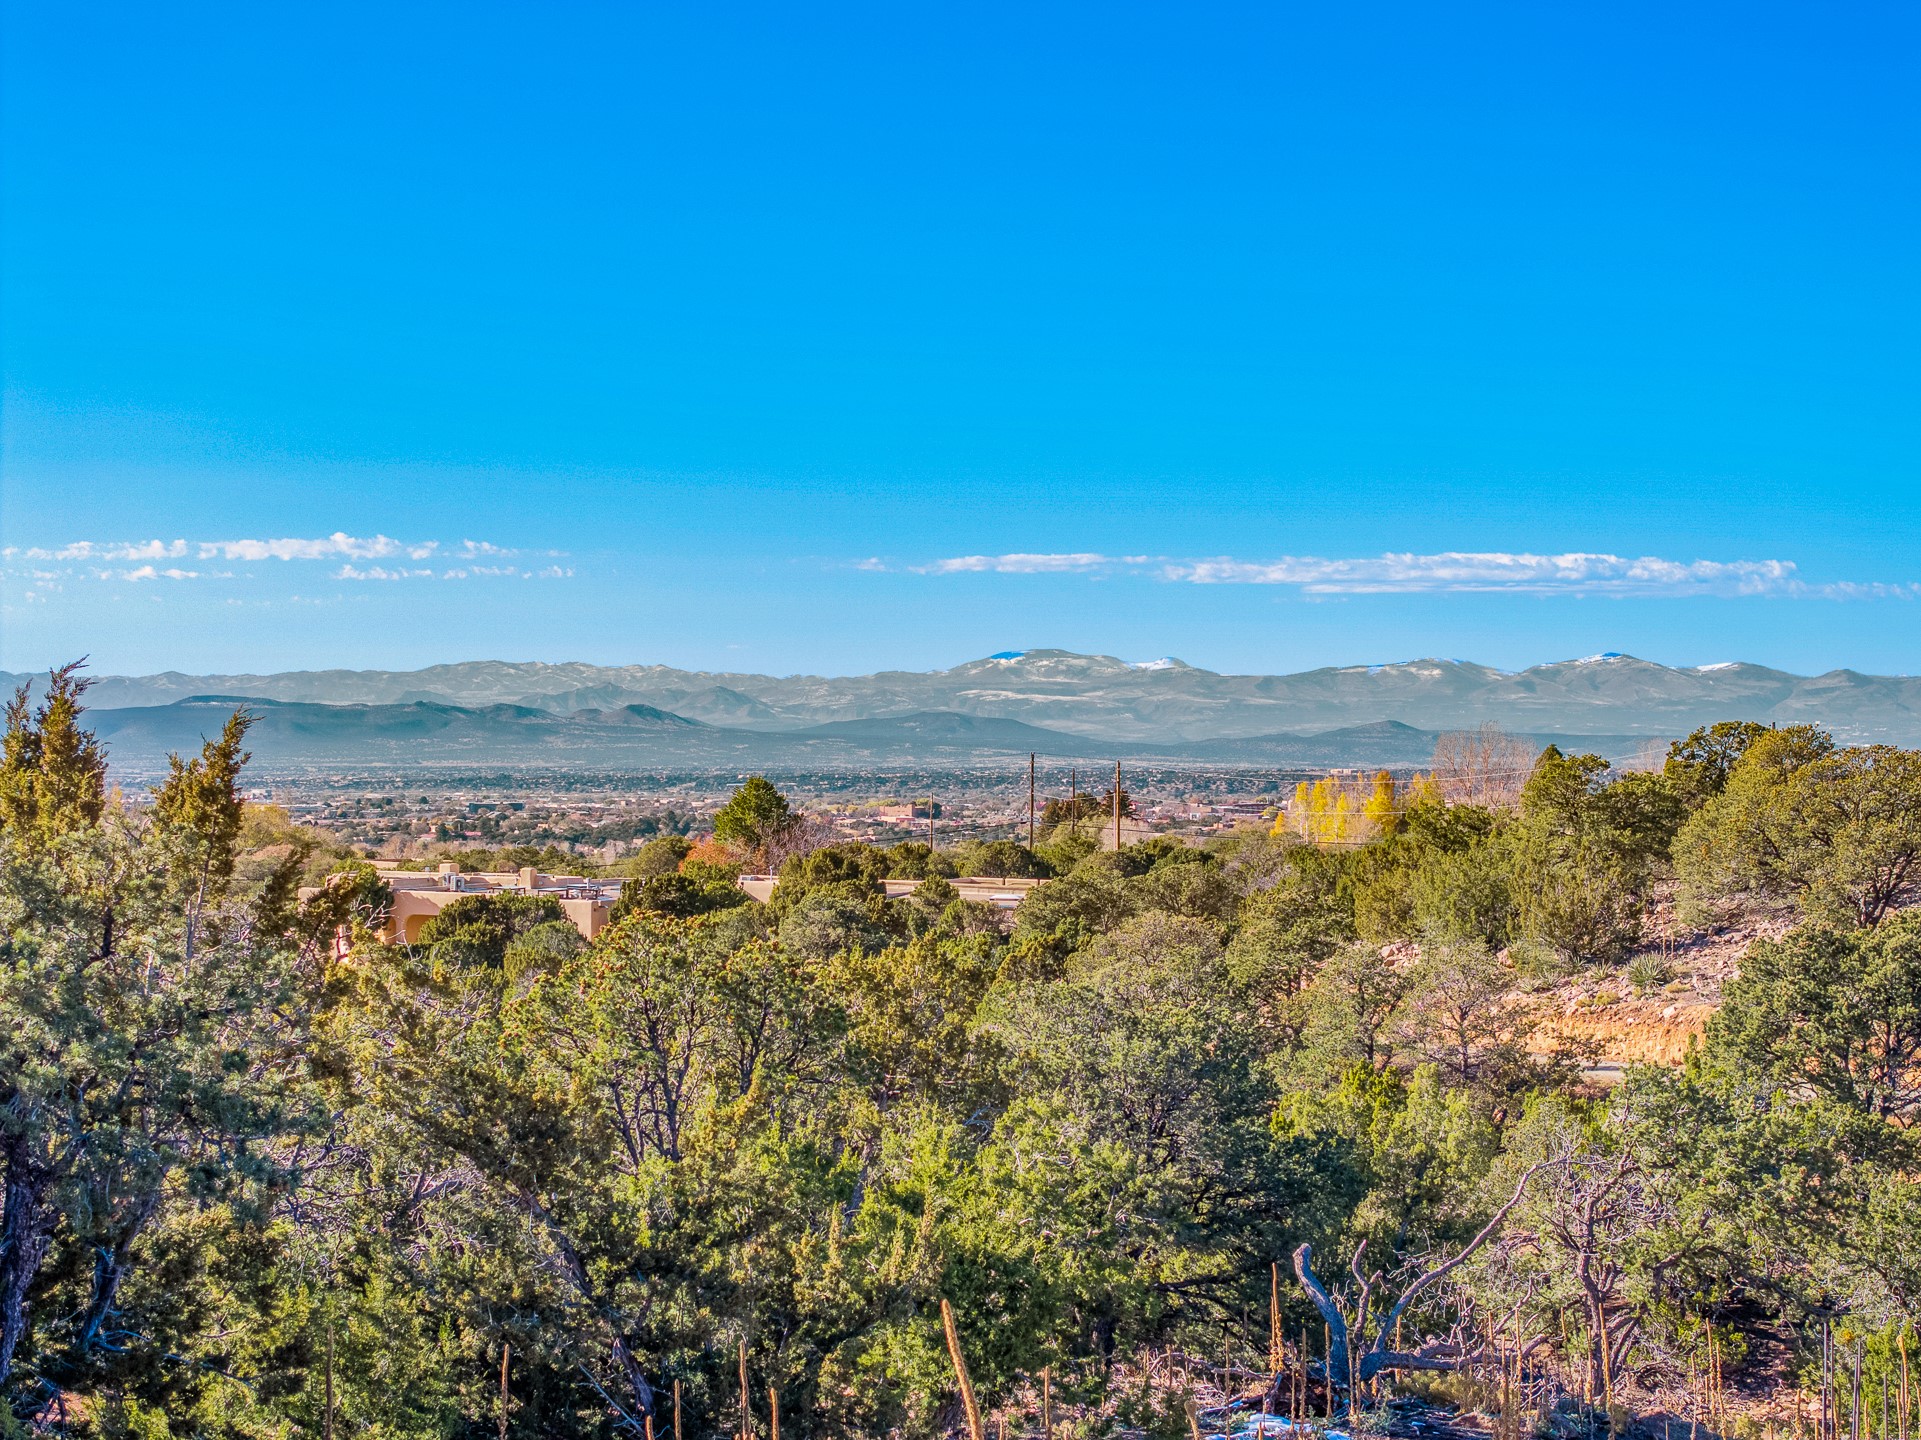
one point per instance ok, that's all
(397, 822)
(420, 895)
(1002, 894)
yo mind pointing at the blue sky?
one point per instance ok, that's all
(836, 338)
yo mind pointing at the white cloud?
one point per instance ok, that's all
(95, 559)
(1871, 590)
(1446, 572)
(1497, 571)
(338, 545)
(378, 572)
(1019, 564)
(99, 550)
(457, 572)
(149, 550)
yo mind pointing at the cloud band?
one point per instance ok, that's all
(1446, 572)
(153, 559)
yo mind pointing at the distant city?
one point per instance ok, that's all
(605, 818)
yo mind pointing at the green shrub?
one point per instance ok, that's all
(474, 931)
(681, 895)
(1649, 972)
(1539, 966)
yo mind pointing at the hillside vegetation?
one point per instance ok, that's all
(1270, 1118)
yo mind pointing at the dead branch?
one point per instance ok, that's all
(1378, 1357)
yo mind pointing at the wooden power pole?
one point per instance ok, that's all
(1117, 806)
(1030, 800)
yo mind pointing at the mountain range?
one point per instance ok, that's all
(1053, 701)
(289, 733)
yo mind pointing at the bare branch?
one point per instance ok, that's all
(1317, 1292)
(1487, 1230)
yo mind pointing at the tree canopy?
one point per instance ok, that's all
(755, 818)
(266, 1173)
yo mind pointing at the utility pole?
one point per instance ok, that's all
(1117, 806)
(1074, 800)
(1030, 800)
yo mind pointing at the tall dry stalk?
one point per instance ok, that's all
(1327, 1368)
(1607, 1371)
(1304, 1409)
(1276, 1347)
(1826, 1364)
(1716, 1413)
(746, 1410)
(974, 1427)
(1905, 1412)
(1692, 1406)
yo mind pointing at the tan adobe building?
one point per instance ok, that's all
(419, 895)
(985, 889)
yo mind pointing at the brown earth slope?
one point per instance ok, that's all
(1621, 1023)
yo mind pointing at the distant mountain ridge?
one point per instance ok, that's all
(426, 734)
(1102, 698)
